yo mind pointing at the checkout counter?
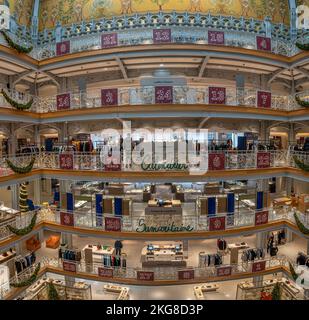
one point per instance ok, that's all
(164, 207)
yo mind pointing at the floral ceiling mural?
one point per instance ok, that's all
(70, 11)
(21, 9)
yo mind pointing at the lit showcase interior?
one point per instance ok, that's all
(154, 150)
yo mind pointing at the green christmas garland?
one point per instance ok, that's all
(26, 230)
(302, 46)
(21, 170)
(277, 292)
(12, 44)
(302, 103)
(52, 292)
(292, 271)
(301, 165)
(30, 280)
(15, 104)
(300, 225)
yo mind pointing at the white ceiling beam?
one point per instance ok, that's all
(274, 75)
(203, 66)
(304, 71)
(122, 68)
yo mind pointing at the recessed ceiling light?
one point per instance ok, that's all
(161, 65)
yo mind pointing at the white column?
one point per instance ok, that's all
(261, 240)
(15, 196)
(37, 191)
(67, 238)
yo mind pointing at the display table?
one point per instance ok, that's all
(122, 291)
(171, 207)
(7, 256)
(284, 201)
(162, 255)
(199, 290)
(234, 249)
(98, 254)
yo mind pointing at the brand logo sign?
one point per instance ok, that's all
(112, 224)
(263, 99)
(224, 271)
(217, 95)
(143, 227)
(63, 48)
(216, 37)
(66, 161)
(105, 272)
(263, 160)
(216, 161)
(63, 101)
(162, 35)
(186, 274)
(145, 275)
(109, 97)
(67, 219)
(216, 223)
(263, 43)
(165, 167)
(109, 40)
(164, 94)
(258, 266)
(261, 217)
(69, 266)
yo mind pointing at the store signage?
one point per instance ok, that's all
(263, 99)
(216, 223)
(186, 274)
(67, 219)
(216, 37)
(216, 95)
(143, 227)
(259, 266)
(66, 161)
(112, 224)
(163, 94)
(224, 271)
(230, 219)
(63, 48)
(112, 167)
(145, 275)
(162, 35)
(105, 272)
(63, 101)
(263, 43)
(261, 217)
(109, 97)
(69, 266)
(109, 40)
(216, 161)
(164, 167)
(263, 160)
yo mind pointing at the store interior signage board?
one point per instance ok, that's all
(143, 227)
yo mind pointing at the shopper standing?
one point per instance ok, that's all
(118, 246)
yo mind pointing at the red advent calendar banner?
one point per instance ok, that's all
(112, 167)
(109, 97)
(164, 94)
(263, 43)
(67, 219)
(258, 266)
(186, 274)
(216, 223)
(217, 95)
(69, 266)
(261, 217)
(263, 99)
(162, 35)
(66, 161)
(63, 48)
(109, 40)
(216, 37)
(105, 272)
(112, 224)
(216, 161)
(145, 275)
(63, 101)
(224, 271)
(263, 160)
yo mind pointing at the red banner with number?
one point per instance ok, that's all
(109, 40)
(216, 37)
(186, 274)
(67, 219)
(261, 217)
(63, 48)
(263, 43)
(216, 161)
(66, 161)
(259, 266)
(263, 99)
(162, 35)
(217, 95)
(63, 101)
(105, 272)
(112, 224)
(109, 97)
(263, 160)
(145, 275)
(69, 266)
(164, 94)
(224, 271)
(217, 223)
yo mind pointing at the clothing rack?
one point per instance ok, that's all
(23, 263)
(208, 260)
(253, 254)
(70, 254)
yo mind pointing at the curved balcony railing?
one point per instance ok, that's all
(132, 96)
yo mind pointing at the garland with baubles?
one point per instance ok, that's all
(277, 292)
(300, 164)
(302, 46)
(15, 104)
(20, 170)
(30, 280)
(23, 197)
(293, 272)
(15, 46)
(26, 230)
(52, 292)
(302, 103)
(300, 225)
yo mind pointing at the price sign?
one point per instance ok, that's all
(109, 40)
(67, 219)
(224, 271)
(105, 272)
(145, 275)
(63, 101)
(216, 37)
(217, 95)
(263, 99)
(66, 161)
(261, 217)
(109, 97)
(162, 35)
(69, 266)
